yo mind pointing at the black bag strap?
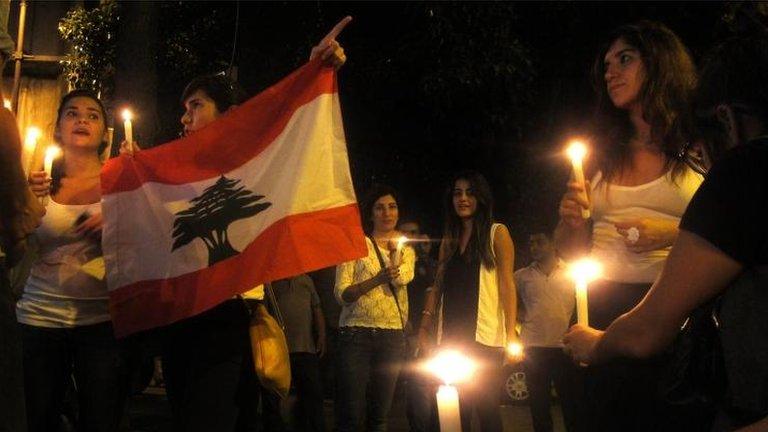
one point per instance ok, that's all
(392, 288)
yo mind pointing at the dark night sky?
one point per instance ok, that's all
(433, 88)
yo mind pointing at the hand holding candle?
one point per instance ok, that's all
(583, 272)
(576, 152)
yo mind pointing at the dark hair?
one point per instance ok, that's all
(479, 246)
(735, 72)
(369, 200)
(224, 92)
(665, 97)
(57, 171)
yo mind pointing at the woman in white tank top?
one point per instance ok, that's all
(64, 311)
(644, 78)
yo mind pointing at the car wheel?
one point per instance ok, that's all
(516, 388)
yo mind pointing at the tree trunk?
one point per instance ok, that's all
(136, 71)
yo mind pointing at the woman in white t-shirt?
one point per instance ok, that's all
(64, 311)
(644, 78)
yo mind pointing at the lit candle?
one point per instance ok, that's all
(451, 367)
(398, 259)
(576, 152)
(515, 349)
(30, 147)
(583, 272)
(127, 117)
(51, 153)
(7, 104)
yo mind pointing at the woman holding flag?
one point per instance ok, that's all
(63, 312)
(207, 359)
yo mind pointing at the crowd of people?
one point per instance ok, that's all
(680, 243)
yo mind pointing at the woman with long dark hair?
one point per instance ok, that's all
(63, 312)
(373, 295)
(644, 79)
(475, 290)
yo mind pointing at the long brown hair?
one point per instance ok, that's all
(479, 246)
(665, 97)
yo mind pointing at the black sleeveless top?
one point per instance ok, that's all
(461, 290)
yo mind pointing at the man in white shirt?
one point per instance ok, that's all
(547, 302)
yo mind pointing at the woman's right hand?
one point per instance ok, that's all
(39, 183)
(573, 203)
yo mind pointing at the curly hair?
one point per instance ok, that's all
(665, 98)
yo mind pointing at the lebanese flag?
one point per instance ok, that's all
(263, 193)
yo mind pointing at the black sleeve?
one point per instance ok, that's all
(726, 210)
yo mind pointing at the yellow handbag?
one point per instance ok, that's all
(270, 350)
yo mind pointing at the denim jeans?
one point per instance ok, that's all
(369, 363)
(95, 358)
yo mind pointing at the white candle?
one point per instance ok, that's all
(398, 259)
(30, 147)
(576, 152)
(448, 409)
(582, 307)
(127, 117)
(450, 367)
(51, 153)
(583, 272)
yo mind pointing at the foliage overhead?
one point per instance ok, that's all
(90, 62)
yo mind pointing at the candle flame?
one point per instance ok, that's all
(451, 367)
(7, 104)
(127, 115)
(515, 349)
(52, 152)
(576, 150)
(585, 270)
(401, 241)
(33, 134)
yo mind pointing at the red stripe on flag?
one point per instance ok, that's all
(296, 243)
(225, 144)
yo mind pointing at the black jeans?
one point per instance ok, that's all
(622, 394)
(12, 415)
(369, 364)
(208, 370)
(305, 373)
(481, 394)
(543, 366)
(95, 358)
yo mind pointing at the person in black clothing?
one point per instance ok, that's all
(722, 249)
(476, 291)
(421, 407)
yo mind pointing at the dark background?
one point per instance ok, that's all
(429, 89)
